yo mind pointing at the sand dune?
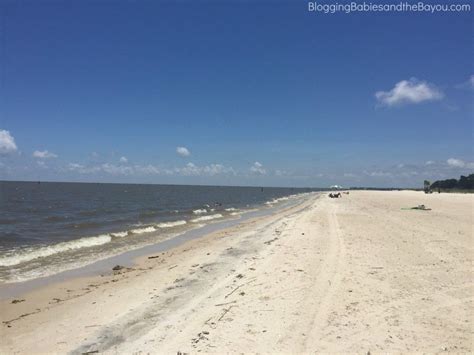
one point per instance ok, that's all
(353, 274)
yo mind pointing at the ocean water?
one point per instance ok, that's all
(46, 228)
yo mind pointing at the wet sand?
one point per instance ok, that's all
(353, 274)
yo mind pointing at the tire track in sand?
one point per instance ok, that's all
(329, 282)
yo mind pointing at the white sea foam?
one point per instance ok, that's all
(276, 200)
(230, 209)
(119, 234)
(207, 218)
(171, 224)
(143, 230)
(42, 252)
(200, 211)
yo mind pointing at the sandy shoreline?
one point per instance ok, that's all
(130, 257)
(354, 274)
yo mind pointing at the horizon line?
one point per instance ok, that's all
(204, 185)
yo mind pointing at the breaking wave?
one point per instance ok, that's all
(85, 242)
(119, 234)
(206, 218)
(29, 254)
(148, 229)
(276, 200)
(25, 255)
(171, 224)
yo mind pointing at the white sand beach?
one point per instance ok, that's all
(353, 274)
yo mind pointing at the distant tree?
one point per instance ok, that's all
(427, 186)
(464, 183)
(445, 184)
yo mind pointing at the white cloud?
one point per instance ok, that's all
(257, 168)
(116, 170)
(183, 151)
(82, 169)
(409, 91)
(409, 173)
(215, 169)
(41, 164)
(416, 172)
(350, 175)
(76, 167)
(468, 84)
(123, 160)
(7, 143)
(104, 168)
(378, 173)
(44, 154)
(282, 173)
(147, 169)
(208, 170)
(189, 169)
(458, 163)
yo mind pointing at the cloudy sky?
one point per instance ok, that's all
(236, 94)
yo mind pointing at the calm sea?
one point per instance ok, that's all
(46, 228)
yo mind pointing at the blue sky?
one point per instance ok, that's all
(258, 93)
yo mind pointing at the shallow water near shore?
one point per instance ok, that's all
(47, 228)
(126, 259)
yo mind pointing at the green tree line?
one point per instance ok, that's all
(464, 183)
